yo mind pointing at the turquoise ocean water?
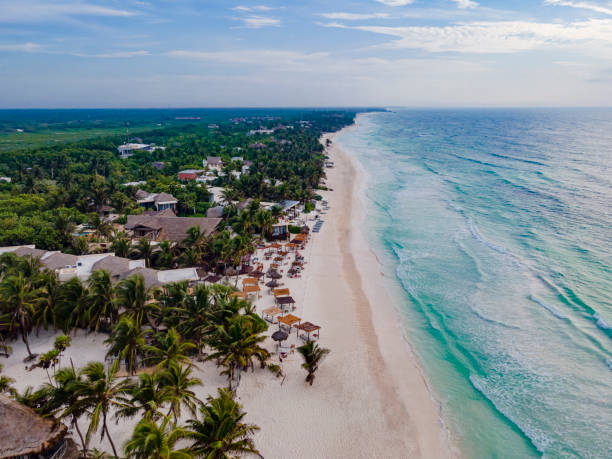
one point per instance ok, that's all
(497, 226)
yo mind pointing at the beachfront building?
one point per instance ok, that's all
(289, 208)
(156, 201)
(190, 174)
(213, 163)
(163, 228)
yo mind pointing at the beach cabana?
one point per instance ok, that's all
(270, 313)
(289, 320)
(309, 328)
(272, 284)
(251, 289)
(249, 281)
(242, 295)
(283, 301)
(281, 292)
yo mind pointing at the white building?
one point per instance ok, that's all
(127, 149)
(213, 163)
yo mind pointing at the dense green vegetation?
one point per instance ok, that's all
(54, 188)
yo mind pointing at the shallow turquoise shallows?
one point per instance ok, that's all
(497, 226)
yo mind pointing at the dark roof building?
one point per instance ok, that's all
(168, 228)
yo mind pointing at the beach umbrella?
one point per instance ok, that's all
(273, 274)
(272, 284)
(279, 335)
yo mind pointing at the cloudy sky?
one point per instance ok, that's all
(198, 53)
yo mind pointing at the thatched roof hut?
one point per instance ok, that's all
(24, 433)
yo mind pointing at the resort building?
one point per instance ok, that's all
(190, 174)
(138, 183)
(162, 228)
(127, 149)
(159, 165)
(5, 179)
(156, 201)
(213, 163)
(216, 194)
(260, 131)
(246, 166)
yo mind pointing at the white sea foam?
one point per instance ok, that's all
(601, 323)
(550, 309)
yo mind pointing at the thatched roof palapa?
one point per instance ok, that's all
(23, 432)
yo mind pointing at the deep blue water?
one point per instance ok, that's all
(497, 225)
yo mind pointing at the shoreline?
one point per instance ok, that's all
(419, 406)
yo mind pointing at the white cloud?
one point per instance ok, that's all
(354, 16)
(21, 47)
(259, 57)
(250, 9)
(465, 3)
(395, 2)
(33, 11)
(257, 22)
(500, 37)
(116, 55)
(582, 5)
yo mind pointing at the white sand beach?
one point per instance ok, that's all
(369, 398)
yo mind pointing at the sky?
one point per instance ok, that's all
(244, 53)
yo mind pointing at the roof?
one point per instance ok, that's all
(142, 194)
(165, 198)
(308, 327)
(29, 252)
(289, 319)
(272, 311)
(281, 292)
(286, 205)
(160, 213)
(115, 266)
(172, 228)
(250, 288)
(191, 171)
(238, 295)
(249, 281)
(285, 300)
(215, 212)
(60, 260)
(23, 432)
(149, 276)
(213, 160)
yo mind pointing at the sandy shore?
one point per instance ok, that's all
(369, 398)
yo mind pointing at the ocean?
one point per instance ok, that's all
(496, 226)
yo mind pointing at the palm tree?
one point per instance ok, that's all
(145, 396)
(127, 341)
(193, 316)
(195, 238)
(264, 220)
(64, 396)
(313, 355)
(144, 249)
(72, 308)
(135, 298)
(221, 433)
(101, 304)
(176, 383)
(238, 343)
(169, 347)
(100, 393)
(18, 300)
(152, 441)
(5, 383)
(165, 256)
(50, 297)
(121, 245)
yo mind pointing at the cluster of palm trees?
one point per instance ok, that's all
(162, 330)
